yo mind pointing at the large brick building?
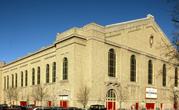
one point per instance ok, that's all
(122, 65)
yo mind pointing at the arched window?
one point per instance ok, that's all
(54, 72)
(176, 77)
(16, 81)
(150, 72)
(133, 68)
(4, 82)
(26, 77)
(7, 82)
(111, 94)
(12, 81)
(111, 63)
(151, 40)
(65, 68)
(33, 76)
(38, 75)
(164, 76)
(47, 73)
(22, 79)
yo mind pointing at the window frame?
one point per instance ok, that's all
(12, 80)
(54, 72)
(33, 76)
(111, 63)
(26, 77)
(47, 73)
(22, 79)
(164, 76)
(65, 69)
(16, 80)
(133, 72)
(4, 82)
(176, 77)
(150, 72)
(7, 81)
(38, 74)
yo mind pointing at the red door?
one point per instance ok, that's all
(23, 103)
(111, 105)
(49, 103)
(64, 103)
(150, 106)
(137, 106)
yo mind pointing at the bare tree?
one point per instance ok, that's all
(174, 52)
(12, 94)
(123, 94)
(83, 95)
(27, 98)
(15, 94)
(39, 93)
(53, 96)
(9, 94)
(173, 96)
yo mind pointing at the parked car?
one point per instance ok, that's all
(73, 108)
(42, 108)
(3, 106)
(97, 107)
(57, 108)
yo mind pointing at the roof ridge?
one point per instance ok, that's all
(149, 16)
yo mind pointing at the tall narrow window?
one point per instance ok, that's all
(65, 68)
(4, 82)
(151, 40)
(47, 73)
(38, 75)
(54, 72)
(26, 77)
(7, 82)
(176, 77)
(16, 81)
(164, 76)
(133, 68)
(33, 76)
(111, 63)
(22, 79)
(12, 81)
(150, 72)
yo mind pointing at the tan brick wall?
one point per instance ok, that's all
(87, 51)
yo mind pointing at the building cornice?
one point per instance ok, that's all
(29, 55)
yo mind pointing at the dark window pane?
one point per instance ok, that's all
(54, 72)
(26, 78)
(65, 68)
(150, 72)
(33, 76)
(164, 75)
(133, 69)
(176, 77)
(111, 63)
(22, 79)
(47, 73)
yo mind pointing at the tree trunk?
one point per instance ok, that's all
(120, 105)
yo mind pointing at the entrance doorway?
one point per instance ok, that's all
(64, 101)
(23, 103)
(150, 106)
(111, 100)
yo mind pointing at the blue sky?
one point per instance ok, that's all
(28, 25)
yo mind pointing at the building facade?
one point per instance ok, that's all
(121, 65)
